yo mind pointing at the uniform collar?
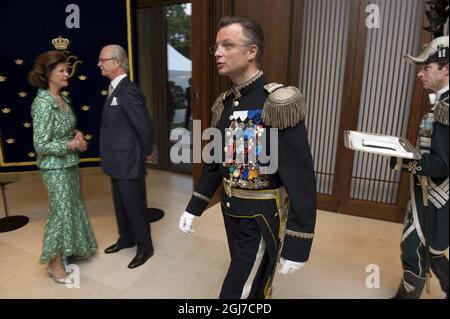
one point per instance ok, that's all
(440, 95)
(441, 92)
(243, 88)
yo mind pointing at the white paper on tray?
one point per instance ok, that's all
(380, 144)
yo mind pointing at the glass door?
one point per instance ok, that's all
(165, 73)
(179, 79)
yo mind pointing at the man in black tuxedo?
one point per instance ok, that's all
(125, 146)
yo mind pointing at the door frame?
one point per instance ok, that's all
(340, 201)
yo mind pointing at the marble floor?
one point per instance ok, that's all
(190, 266)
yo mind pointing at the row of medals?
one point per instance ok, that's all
(242, 149)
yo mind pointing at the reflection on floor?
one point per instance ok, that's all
(190, 266)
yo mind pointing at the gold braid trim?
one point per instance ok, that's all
(217, 109)
(441, 112)
(299, 235)
(237, 89)
(413, 167)
(285, 107)
(202, 197)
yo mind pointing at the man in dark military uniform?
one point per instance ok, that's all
(261, 224)
(426, 222)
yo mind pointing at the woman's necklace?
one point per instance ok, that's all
(59, 101)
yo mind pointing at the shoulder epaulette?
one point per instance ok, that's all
(441, 112)
(285, 107)
(217, 108)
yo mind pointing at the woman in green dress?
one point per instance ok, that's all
(57, 143)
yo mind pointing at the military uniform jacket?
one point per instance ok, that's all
(295, 166)
(434, 167)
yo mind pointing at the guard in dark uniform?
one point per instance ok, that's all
(425, 235)
(268, 213)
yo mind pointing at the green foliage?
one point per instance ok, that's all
(179, 28)
(437, 16)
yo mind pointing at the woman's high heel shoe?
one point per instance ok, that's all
(64, 280)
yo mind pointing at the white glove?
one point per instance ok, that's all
(289, 267)
(186, 221)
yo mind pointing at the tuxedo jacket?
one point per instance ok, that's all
(125, 132)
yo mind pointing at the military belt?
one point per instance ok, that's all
(251, 194)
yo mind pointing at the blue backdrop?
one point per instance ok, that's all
(28, 28)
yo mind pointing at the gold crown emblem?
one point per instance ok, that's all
(3, 78)
(104, 92)
(10, 141)
(61, 43)
(85, 108)
(27, 125)
(23, 94)
(31, 155)
(6, 110)
(65, 93)
(19, 61)
(88, 137)
(82, 77)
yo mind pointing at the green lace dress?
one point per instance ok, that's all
(67, 230)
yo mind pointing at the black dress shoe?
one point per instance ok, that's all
(139, 260)
(117, 247)
(410, 287)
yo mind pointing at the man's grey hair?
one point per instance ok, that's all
(121, 55)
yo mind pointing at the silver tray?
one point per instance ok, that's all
(385, 145)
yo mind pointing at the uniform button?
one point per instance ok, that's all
(228, 205)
